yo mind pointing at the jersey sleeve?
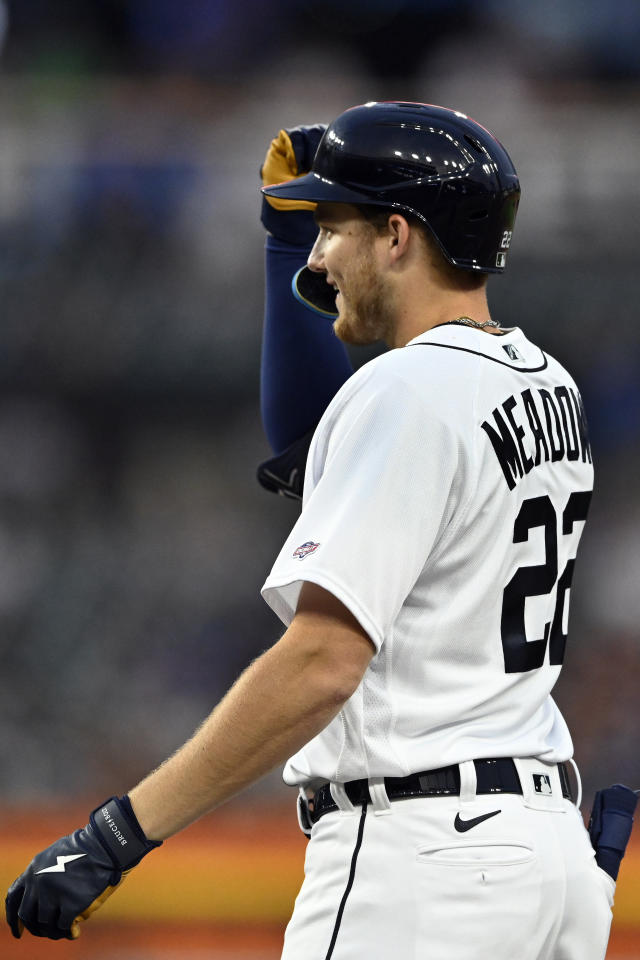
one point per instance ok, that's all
(382, 472)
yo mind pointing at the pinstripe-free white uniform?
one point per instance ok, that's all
(445, 493)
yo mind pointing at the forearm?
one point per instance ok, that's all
(278, 704)
(303, 362)
(283, 700)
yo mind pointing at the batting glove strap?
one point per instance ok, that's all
(119, 832)
(284, 473)
(610, 826)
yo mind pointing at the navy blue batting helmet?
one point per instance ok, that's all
(429, 161)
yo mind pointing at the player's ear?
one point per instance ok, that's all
(398, 234)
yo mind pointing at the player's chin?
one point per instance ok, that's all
(344, 330)
(342, 324)
(349, 328)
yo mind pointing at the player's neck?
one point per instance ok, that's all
(432, 307)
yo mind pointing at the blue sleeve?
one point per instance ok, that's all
(303, 362)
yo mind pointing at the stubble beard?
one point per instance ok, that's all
(367, 315)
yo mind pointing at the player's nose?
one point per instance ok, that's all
(315, 260)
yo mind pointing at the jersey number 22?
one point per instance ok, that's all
(520, 653)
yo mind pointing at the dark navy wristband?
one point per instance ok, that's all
(119, 832)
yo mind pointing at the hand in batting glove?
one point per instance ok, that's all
(290, 155)
(75, 875)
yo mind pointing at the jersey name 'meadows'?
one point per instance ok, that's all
(538, 426)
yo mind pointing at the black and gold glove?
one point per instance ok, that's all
(290, 155)
(73, 877)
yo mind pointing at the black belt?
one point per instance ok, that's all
(493, 776)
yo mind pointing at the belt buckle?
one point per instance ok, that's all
(444, 782)
(304, 815)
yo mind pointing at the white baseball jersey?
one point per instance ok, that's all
(445, 493)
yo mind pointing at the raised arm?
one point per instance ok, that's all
(303, 362)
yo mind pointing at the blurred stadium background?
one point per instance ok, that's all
(133, 536)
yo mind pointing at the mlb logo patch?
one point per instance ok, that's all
(305, 549)
(511, 352)
(542, 784)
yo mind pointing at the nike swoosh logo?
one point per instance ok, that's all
(285, 487)
(59, 866)
(463, 825)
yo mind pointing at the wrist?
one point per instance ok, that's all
(292, 226)
(118, 830)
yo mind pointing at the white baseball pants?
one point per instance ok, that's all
(400, 881)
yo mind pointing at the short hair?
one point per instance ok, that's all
(454, 277)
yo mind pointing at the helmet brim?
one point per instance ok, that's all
(316, 189)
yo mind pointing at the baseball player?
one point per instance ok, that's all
(424, 588)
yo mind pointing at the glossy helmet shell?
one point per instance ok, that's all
(433, 162)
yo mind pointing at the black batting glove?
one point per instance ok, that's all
(290, 155)
(73, 877)
(610, 825)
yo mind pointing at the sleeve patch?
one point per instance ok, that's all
(305, 549)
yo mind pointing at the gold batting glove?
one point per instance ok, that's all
(290, 155)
